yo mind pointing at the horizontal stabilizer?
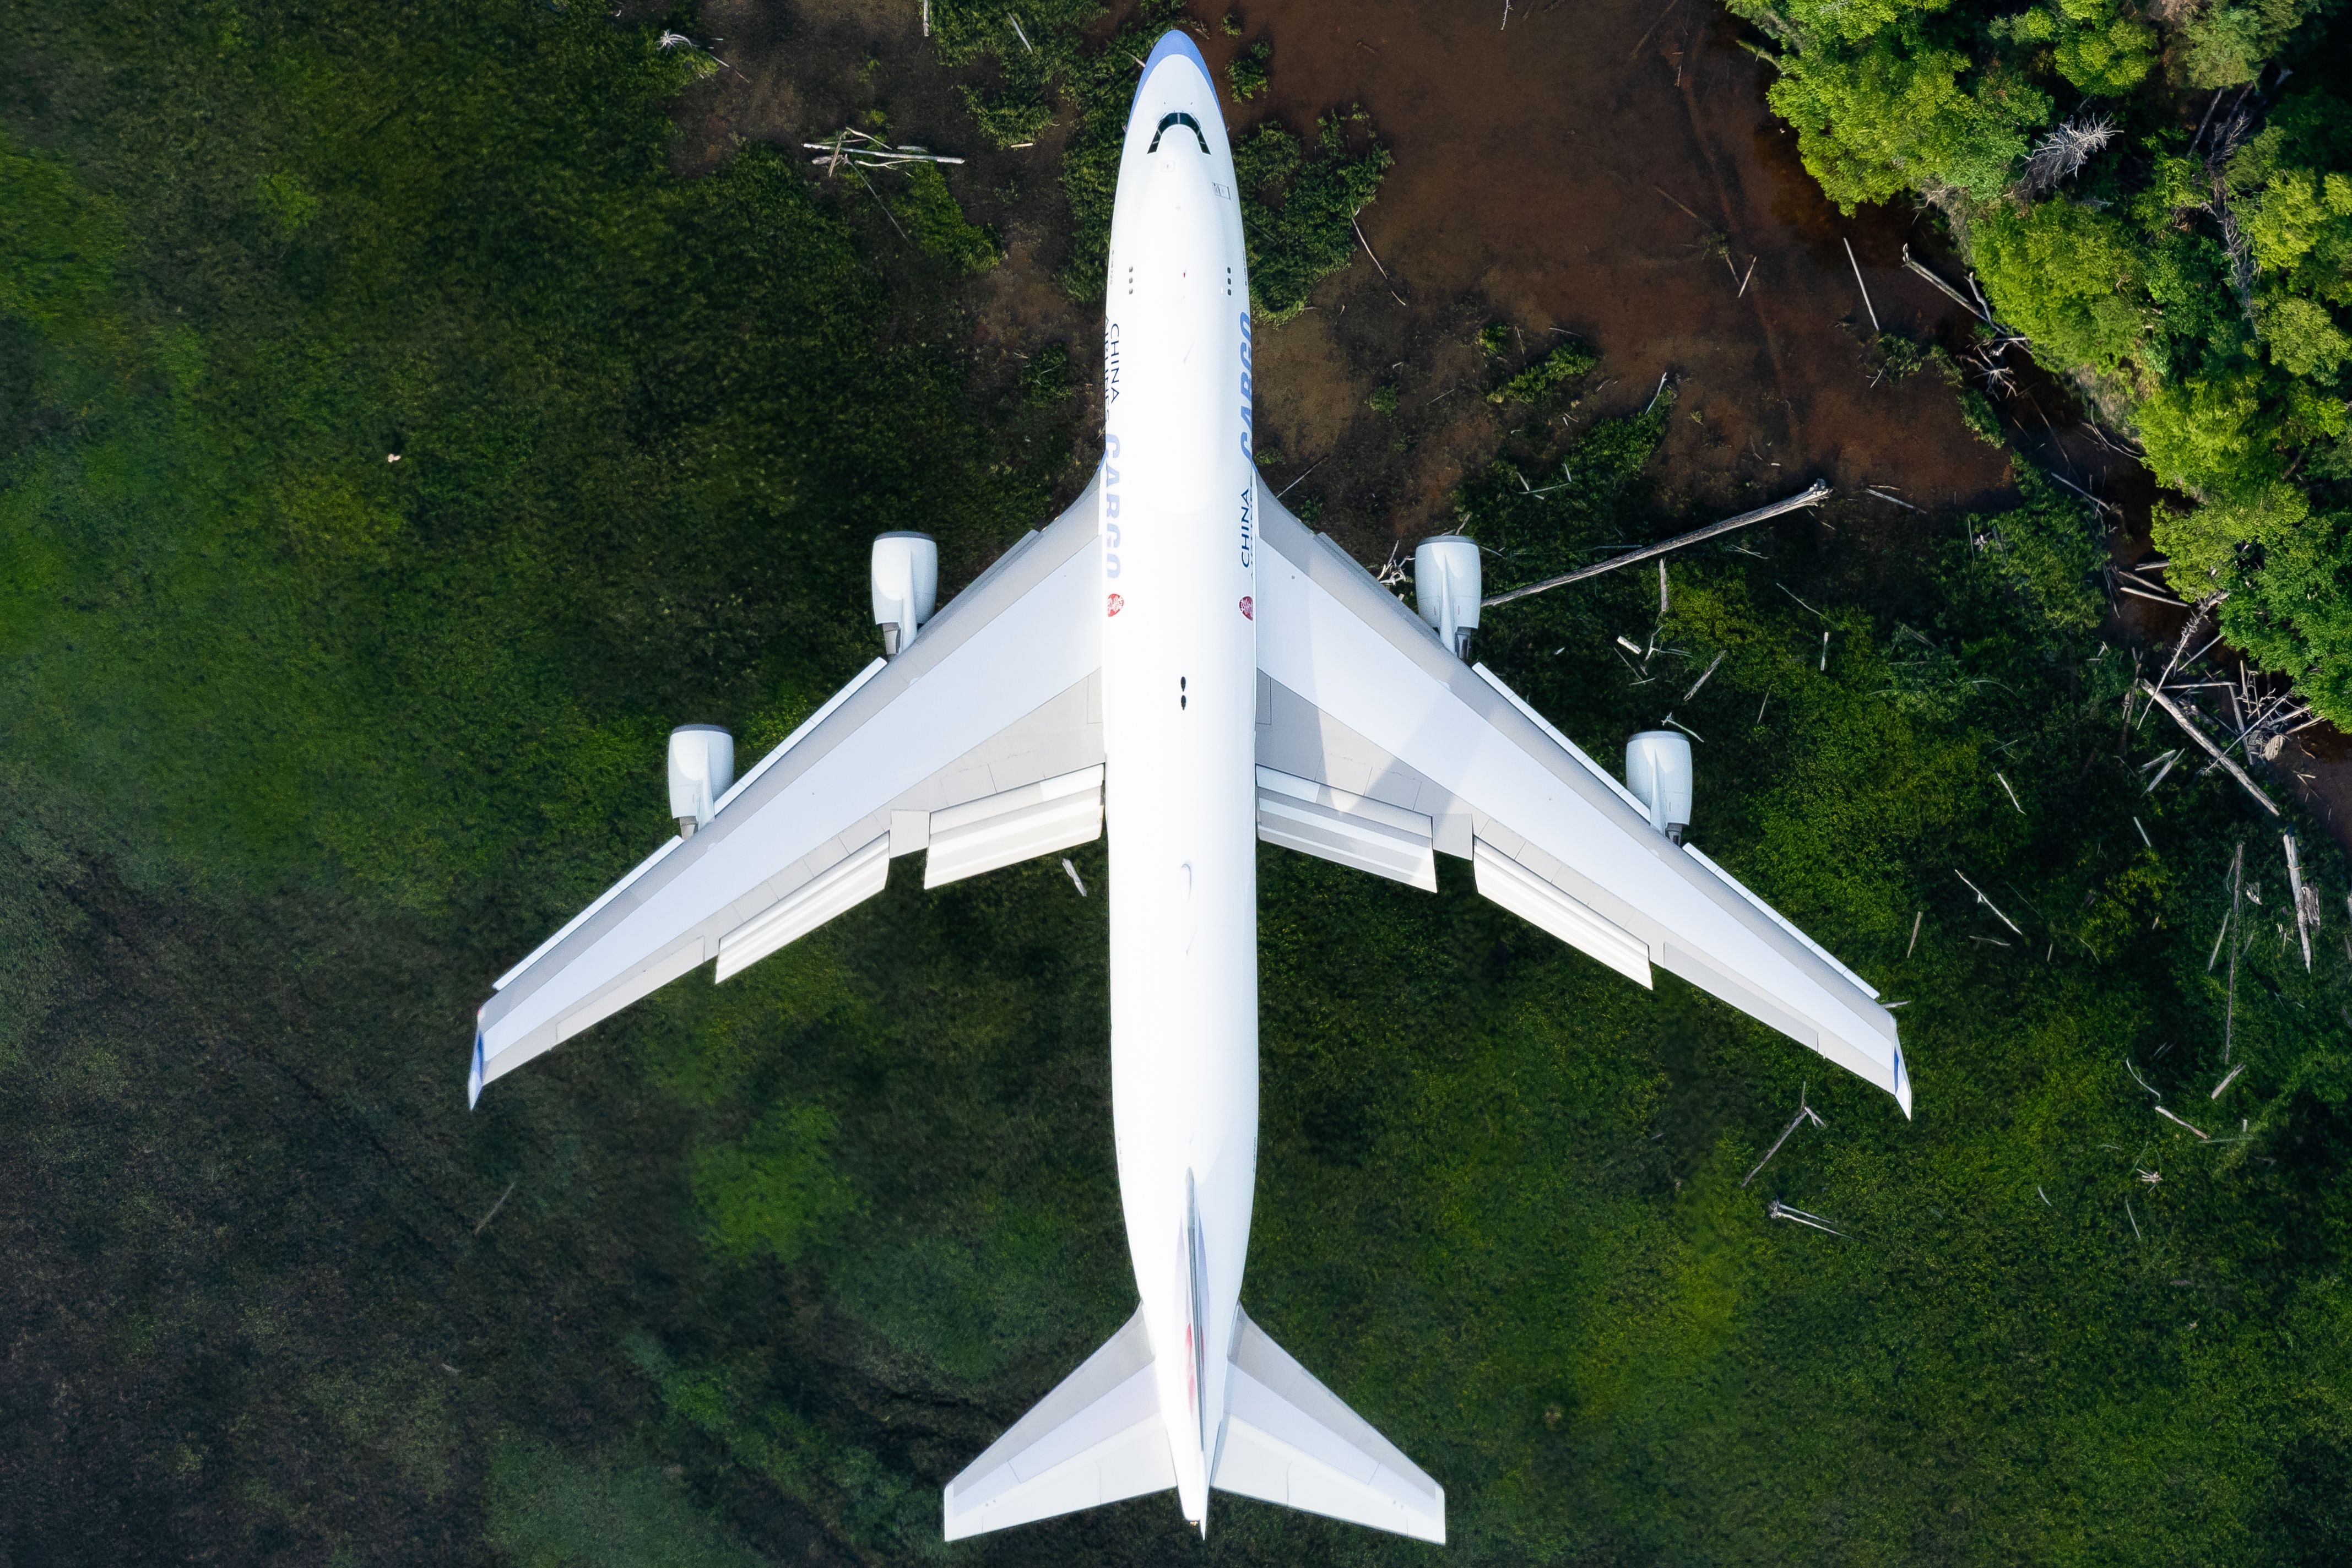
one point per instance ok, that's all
(1288, 1440)
(1097, 1439)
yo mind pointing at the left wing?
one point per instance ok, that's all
(1379, 748)
(981, 744)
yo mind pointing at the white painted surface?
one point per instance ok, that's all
(1180, 674)
(1012, 826)
(1097, 1439)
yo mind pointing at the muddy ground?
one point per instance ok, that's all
(1606, 169)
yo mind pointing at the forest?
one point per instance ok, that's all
(394, 445)
(2158, 202)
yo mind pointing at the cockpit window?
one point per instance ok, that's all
(1179, 118)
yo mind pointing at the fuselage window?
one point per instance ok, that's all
(1180, 118)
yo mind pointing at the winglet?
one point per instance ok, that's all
(1902, 1084)
(474, 1075)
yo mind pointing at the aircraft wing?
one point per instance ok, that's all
(980, 744)
(1379, 749)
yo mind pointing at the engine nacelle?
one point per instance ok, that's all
(1446, 588)
(1658, 773)
(905, 587)
(701, 767)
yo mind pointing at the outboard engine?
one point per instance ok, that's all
(701, 767)
(1445, 589)
(1658, 773)
(905, 587)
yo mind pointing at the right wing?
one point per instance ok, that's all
(981, 744)
(1379, 750)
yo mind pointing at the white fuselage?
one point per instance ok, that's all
(1179, 669)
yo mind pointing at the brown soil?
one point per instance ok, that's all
(1606, 169)
(1568, 173)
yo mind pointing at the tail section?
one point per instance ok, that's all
(1100, 1437)
(1097, 1439)
(1288, 1440)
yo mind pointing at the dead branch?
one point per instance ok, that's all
(2203, 607)
(2237, 880)
(1819, 493)
(1858, 283)
(2176, 1121)
(495, 1207)
(868, 151)
(1368, 247)
(1703, 677)
(1945, 290)
(1987, 903)
(1805, 1113)
(2132, 587)
(2306, 904)
(1776, 1209)
(2199, 736)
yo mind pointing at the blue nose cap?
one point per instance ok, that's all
(1176, 41)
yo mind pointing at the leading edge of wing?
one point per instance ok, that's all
(1330, 634)
(978, 667)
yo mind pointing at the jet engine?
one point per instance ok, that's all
(905, 587)
(1658, 773)
(701, 766)
(1445, 589)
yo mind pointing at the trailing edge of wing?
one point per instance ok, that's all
(1357, 695)
(1000, 694)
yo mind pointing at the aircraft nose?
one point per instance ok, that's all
(1173, 44)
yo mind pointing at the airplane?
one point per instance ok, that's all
(1179, 661)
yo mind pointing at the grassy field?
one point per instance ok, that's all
(300, 744)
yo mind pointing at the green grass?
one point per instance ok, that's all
(1563, 364)
(549, 1510)
(299, 747)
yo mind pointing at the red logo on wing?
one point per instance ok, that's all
(1117, 604)
(1248, 613)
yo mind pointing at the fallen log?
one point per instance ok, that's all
(1819, 493)
(2199, 736)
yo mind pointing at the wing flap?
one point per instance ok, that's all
(1014, 825)
(1536, 899)
(1357, 693)
(1001, 691)
(860, 877)
(1353, 830)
